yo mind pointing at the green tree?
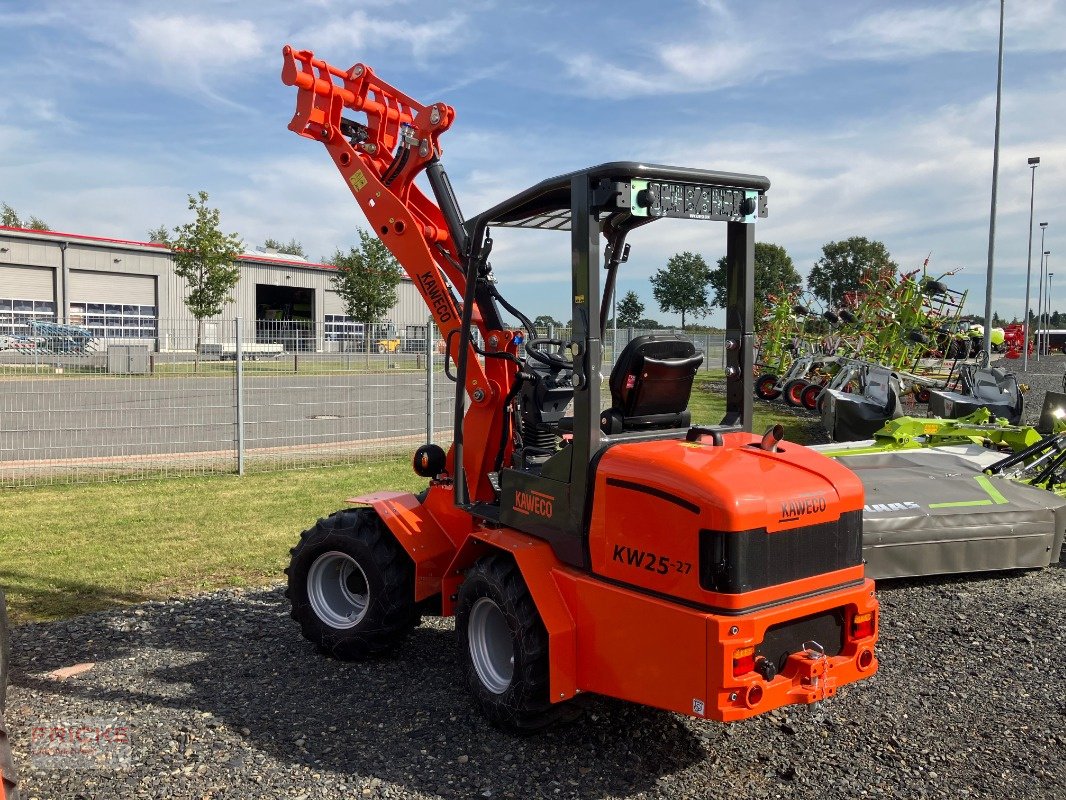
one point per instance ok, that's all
(545, 321)
(645, 324)
(843, 265)
(10, 218)
(159, 235)
(629, 310)
(682, 286)
(775, 274)
(292, 248)
(206, 258)
(366, 278)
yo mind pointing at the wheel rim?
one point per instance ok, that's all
(491, 647)
(338, 590)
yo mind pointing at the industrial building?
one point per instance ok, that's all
(126, 291)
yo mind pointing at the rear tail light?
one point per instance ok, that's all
(862, 625)
(743, 661)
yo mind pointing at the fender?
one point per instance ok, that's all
(540, 569)
(418, 533)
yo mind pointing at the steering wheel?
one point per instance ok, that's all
(537, 350)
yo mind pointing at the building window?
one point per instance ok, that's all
(341, 328)
(16, 315)
(114, 321)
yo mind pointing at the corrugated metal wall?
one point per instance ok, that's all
(123, 271)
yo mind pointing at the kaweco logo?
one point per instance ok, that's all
(532, 502)
(792, 510)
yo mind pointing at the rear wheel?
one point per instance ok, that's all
(352, 586)
(794, 392)
(766, 387)
(809, 397)
(381, 349)
(504, 647)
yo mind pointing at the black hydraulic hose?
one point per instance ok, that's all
(1049, 470)
(506, 422)
(514, 311)
(1016, 458)
(396, 166)
(462, 496)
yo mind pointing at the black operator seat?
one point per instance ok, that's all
(650, 385)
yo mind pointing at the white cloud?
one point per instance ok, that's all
(968, 27)
(362, 32)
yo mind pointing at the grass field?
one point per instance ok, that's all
(73, 549)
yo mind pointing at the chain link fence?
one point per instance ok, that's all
(79, 404)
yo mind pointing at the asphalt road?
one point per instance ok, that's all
(100, 418)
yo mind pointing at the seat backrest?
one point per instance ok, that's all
(653, 375)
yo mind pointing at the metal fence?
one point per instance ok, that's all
(175, 398)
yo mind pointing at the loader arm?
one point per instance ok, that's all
(380, 161)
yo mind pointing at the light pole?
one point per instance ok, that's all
(1040, 297)
(1034, 161)
(1047, 335)
(992, 216)
(1040, 306)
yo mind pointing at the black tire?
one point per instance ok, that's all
(847, 316)
(495, 590)
(6, 763)
(384, 581)
(809, 397)
(793, 392)
(921, 394)
(764, 387)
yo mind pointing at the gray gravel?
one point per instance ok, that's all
(1042, 376)
(225, 700)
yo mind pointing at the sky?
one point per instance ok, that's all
(869, 118)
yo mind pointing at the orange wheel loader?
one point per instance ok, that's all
(583, 546)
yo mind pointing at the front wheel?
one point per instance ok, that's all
(794, 392)
(766, 387)
(351, 586)
(504, 647)
(810, 396)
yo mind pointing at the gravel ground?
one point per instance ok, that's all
(225, 700)
(1042, 376)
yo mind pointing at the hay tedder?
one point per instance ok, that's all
(899, 339)
(622, 550)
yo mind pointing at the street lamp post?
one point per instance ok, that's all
(1047, 335)
(987, 344)
(1039, 300)
(1034, 161)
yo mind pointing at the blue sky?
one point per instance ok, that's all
(871, 119)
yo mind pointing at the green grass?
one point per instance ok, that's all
(73, 549)
(70, 549)
(708, 406)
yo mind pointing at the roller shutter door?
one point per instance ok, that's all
(333, 304)
(27, 283)
(112, 287)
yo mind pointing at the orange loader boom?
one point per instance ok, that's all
(379, 162)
